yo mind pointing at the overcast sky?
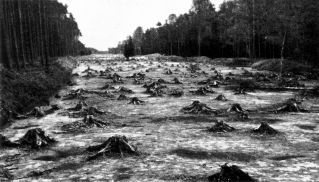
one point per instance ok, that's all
(104, 23)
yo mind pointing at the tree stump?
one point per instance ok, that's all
(198, 108)
(90, 121)
(291, 105)
(221, 97)
(136, 101)
(116, 146)
(203, 91)
(265, 129)
(176, 81)
(230, 173)
(125, 90)
(36, 138)
(107, 86)
(221, 127)
(79, 106)
(36, 112)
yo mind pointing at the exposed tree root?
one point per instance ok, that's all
(230, 173)
(198, 108)
(36, 138)
(136, 101)
(265, 129)
(220, 126)
(116, 146)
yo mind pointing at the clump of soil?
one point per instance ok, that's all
(221, 127)
(36, 138)
(114, 147)
(122, 97)
(265, 129)
(221, 97)
(230, 173)
(5, 142)
(198, 108)
(203, 91)
(136, 101)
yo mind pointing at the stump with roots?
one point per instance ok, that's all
(89, 70)
(116, 78)
(5, 142)
(198, 108)
(221, 97)
(86, 111)
(265, 129)
(236, 108)
(90, 121)
(168, 72)
(291, 105)
(176, 81)
(177, 92)
(116, 146)
(203, 91)
(221, 127)
(122, 97)
(36, 112)
(136, 101)
(230, 173)
(107, 86)
(125, 90)
(36, 138)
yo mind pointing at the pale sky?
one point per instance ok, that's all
(104, 23)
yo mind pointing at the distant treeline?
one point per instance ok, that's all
(34, 31)
(240, 28)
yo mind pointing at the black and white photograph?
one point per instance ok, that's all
(159, 90)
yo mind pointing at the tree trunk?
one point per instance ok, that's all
(199, 42)
(282, 52)
(21, 35)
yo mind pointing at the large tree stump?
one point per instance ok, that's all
(221, 127)
(176, 81)
(198, 108)
(243, 114)
(136, 101)
(230, 173)
(36, 138)
(265, 129)
(116, 146)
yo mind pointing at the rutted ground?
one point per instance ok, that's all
(174, 146)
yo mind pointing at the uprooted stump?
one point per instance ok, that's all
(291, 105)
(221, 127)
(5, 142)
(230, 173)
(116, 146)
(203, 91)
(122, 97)
(136, 101)
(36, 138)
(265, 129)
(198, 108)
(221, 97)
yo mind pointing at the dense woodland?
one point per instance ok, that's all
(35, 31)
(240, 28)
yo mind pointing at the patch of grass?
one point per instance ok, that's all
(274, 65)
(199, 154)
(22, 90)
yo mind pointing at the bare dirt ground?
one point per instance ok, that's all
(174, 146)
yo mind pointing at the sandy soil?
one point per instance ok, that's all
(174, 146)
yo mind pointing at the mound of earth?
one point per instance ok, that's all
(230, 174)
(265, 129)
(198, 108)
(221, 127)
(36, 138)
(116, 146)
